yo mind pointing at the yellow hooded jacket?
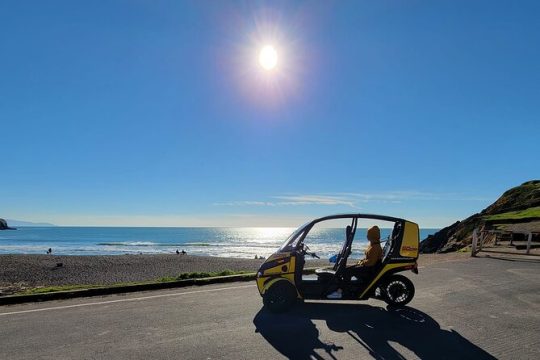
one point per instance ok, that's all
(374, 251)
(373, 254)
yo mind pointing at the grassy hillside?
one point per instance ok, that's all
(529, 214)
(521, 203)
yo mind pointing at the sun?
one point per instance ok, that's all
(268, 57)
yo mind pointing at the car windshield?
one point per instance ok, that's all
(291, 241)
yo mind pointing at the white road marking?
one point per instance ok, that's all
(125, 300)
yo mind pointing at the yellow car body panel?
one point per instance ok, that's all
(264, 284)
(410, 243)
(283, 266)
(283, 270)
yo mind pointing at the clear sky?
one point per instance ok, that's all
(159, 112)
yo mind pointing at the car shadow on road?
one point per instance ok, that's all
(295, 335)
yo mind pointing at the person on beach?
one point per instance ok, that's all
(365, 267)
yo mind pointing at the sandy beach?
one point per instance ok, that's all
(18, 272)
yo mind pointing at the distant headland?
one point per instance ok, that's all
(4, 225)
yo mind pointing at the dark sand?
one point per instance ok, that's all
(18, 272)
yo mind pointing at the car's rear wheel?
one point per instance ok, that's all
(280, 297)
(397, 290)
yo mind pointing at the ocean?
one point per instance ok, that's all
(227, 242)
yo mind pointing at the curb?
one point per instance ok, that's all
(70, 294)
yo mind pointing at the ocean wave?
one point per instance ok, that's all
(188, 244)
(152, 244)
(132, 243)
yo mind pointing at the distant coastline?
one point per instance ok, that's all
(20, 223)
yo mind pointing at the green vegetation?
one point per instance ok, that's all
(530, 213)
(200, 275)
(48, 289)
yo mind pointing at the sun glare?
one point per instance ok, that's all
(266, 64)
(268, 57)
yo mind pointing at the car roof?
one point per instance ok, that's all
(358, 215)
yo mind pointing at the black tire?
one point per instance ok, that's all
(397, 290)
(280, 297)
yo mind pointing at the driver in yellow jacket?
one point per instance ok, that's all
(364, 267)
(374, 251)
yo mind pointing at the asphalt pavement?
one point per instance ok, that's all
(480, 308)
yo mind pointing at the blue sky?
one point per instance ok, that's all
(158, 113)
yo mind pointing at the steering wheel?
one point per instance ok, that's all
(312, 254)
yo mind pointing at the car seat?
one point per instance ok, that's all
(325, 274)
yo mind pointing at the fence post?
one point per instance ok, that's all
(474, 242)
(481, 240)
(529, 240)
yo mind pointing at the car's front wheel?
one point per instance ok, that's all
(280, 297)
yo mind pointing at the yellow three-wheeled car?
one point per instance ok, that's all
(281, 282)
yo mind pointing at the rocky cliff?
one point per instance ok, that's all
(459, 234)
(4, 225)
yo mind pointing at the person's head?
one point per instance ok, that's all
(374, 234)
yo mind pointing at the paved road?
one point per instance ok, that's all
(479, 308)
